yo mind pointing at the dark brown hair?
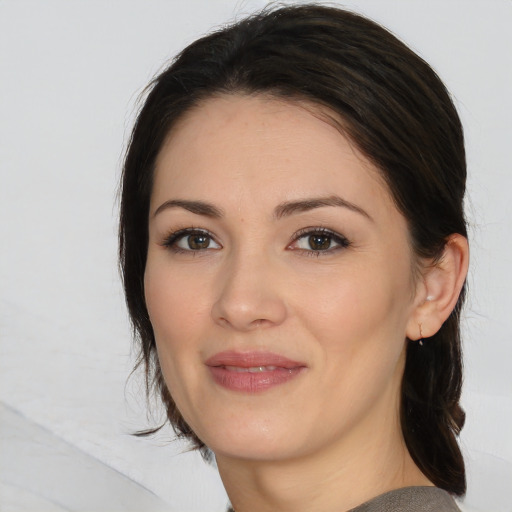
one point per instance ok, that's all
(394, 108)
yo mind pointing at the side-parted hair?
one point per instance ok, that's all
(394, 108)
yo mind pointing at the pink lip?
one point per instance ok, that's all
(232, 370)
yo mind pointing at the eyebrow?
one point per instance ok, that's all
(290, 207)
(282, 210)
(197, 207)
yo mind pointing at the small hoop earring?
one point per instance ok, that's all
(420, 341)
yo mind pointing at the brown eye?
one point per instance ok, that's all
(191, 240)
(319, 242)
(198, 241)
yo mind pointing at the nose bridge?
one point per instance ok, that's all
(249, 294)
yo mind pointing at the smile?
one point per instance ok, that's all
(252, 369)
(252, 372)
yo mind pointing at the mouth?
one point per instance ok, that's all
(251, 369)
(252, 372)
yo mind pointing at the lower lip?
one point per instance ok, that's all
(249, 382)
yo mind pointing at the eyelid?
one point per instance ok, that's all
(341, 240)
(171, 239)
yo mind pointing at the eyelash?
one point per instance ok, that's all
(171, 241)
(335, 237)
(342, 242)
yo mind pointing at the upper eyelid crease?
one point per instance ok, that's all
(179, 233)
(338, 237)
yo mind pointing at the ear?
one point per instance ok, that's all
(439, 289)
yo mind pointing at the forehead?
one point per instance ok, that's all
(254, 149)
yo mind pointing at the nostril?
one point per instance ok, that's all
(223, 321)
(248, 302)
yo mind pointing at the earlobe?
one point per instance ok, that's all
(440, 290)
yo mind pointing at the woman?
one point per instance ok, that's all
(294, 253)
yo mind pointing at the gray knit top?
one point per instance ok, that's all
(409, 499)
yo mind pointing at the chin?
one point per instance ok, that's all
(250, 438)
(256, 449)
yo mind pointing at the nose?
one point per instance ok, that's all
(250, 295)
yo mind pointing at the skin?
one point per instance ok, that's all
(330, 438)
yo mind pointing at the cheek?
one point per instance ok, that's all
(177, 317)
(357, 311)
(174, 303)
(359, 322)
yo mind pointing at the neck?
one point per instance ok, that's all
(366, 463)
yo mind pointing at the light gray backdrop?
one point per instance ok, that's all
(70, 73)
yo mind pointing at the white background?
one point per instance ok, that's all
(70, 74)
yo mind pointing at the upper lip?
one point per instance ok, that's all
(251, 359)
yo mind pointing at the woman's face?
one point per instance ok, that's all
(279, 281)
